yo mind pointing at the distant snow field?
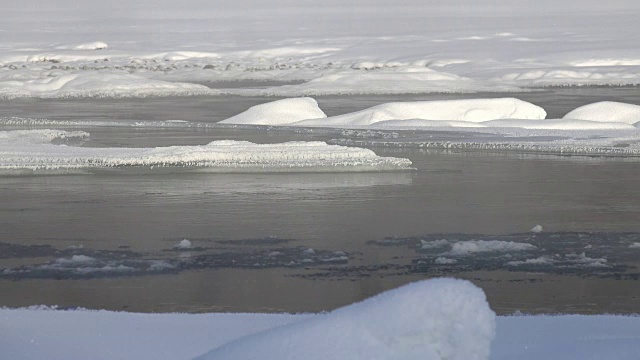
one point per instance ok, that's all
(335, 47)
(442, 319)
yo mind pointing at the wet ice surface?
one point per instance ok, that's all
(567, 253)
(79, 263)
(579, 253)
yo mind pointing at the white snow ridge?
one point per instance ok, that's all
(472, 110)
(305, 112)
(441, 319)
(279, 112)
(609, 111)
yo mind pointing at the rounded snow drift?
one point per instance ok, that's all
(428, 320)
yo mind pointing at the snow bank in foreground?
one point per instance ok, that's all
(279, 112)
(41, 333)
(27, 152)
(437, 319)
(607, 111)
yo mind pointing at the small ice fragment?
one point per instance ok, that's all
(445, 261)
(275, 253)
(537, 229)
(635, 245)
(184, 245)
(309, 251)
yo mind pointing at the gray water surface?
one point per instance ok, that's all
(252, 233)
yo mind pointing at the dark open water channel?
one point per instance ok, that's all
(252, 233)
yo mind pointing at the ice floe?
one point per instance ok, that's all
(279, 112)
(27, 152)
(434, 319)
(445, 113)
(464, 248)
(586, 254)
(473, 110)
(609, 111)
(468, 113)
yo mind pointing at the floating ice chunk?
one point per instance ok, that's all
(479, 246)
(433, 244)
(635, 245)
(184, 244)
(309, 251)
(96, 45)
(279, 112)
(430, 320)
(607, 111)
(444, 261)
(542, 260)
(26, 152)
(472, 110)
(75, 259)
(537, 229)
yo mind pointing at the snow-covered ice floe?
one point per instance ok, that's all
(279, 112)
(436, 320)
(474, 110)
(609, 111)
(33, 152)
(468, 113)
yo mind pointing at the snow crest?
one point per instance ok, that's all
(429, 320)
(279, 112)
(473, 110)
(609, 111)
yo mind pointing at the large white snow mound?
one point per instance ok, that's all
(607, 111)
(471, 110)
(279, 112)
(32, 152)
(428, 320)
